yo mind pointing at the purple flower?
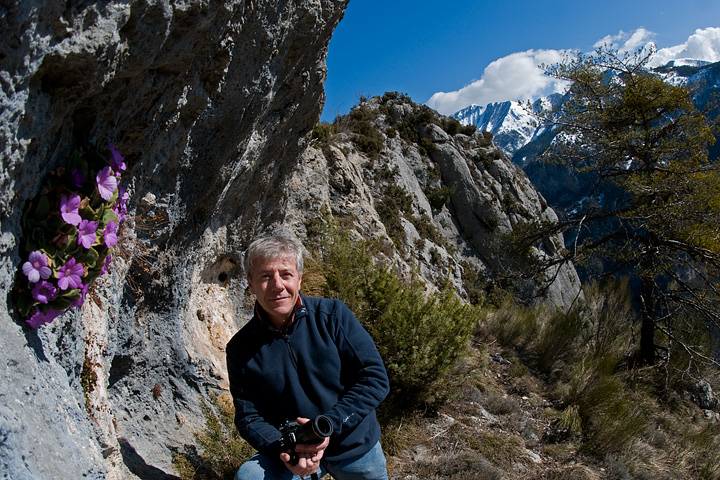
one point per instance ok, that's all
(86, 233)
(39, 318)
(110, 234)
(83, 293)
(120, 208)
(117, 161)
(36, 267)
(69, 275)
(104, 268)
(69, 209)
(44, 292)
(123, 195)
(106, 183)
(78, 178)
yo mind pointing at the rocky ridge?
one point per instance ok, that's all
(461, 193)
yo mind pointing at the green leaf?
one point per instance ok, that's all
(25, 303)
(70, 295)
(54, 223)
(88, 212)
(88, 257)
(108, 216)
(76, 162)
(43, 208)
(60, 304)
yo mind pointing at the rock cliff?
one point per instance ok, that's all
(441, 196)
(212, 104)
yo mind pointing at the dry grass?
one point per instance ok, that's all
(492, 429)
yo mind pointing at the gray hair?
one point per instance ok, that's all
(270, 247)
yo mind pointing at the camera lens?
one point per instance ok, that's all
(322, 426)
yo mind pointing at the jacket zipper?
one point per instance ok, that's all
(290, 349)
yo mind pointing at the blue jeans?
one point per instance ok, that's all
(370, 466)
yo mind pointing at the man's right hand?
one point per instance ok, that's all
(309, 455)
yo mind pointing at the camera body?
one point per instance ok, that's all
(313, 431)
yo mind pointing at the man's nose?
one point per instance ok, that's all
(276, 282)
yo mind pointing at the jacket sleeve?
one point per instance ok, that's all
(363, 373)
(253, 427)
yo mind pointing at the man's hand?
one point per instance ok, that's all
(310, 455)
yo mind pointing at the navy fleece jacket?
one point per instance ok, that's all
(324, 363)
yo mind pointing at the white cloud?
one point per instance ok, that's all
(704, 44)
(627, 42)
(515, 77)
(519, 76)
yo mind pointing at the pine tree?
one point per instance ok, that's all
(644, 139)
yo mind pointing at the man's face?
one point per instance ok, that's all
(276, 284)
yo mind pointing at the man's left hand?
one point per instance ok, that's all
(309, 455)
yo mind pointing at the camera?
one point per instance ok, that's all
(313, 431)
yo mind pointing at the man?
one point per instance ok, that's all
(297, 358)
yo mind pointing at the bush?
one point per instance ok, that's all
(486, 139)
(323, 132)
(612, 415)
(473, 283)
(440, 196)
(513, 325)
(468, 129)
(420, 334)
(395, 202)
(451, 126)
(426, 229)
(222, 449)
(426, 146)
(367, 138)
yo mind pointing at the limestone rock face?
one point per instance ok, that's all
(388, 148)
(210, 103)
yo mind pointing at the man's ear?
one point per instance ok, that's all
(250, 286)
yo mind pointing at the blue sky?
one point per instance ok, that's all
(478, 51)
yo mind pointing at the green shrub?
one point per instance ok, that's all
(612, 415)
(222, 450)
(486, 139)
(440, 196)
(513, 325)
(473, 283)
(468, 129)
(426, 229)
(451, 126)
(395, 202)
(410, 125)
(323, 132)
(420, 334)
(482, 158)
(368, 139)
(426, 146)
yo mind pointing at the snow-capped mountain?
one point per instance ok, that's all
(509, 122)
(513, 126)
(519, 135)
